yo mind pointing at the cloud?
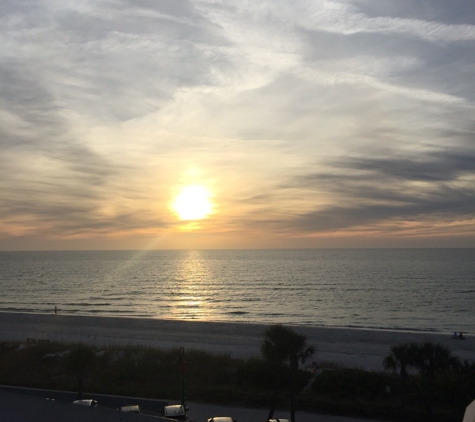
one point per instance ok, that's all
(435, 166)
(438, 186)
(303, 117)
(116, 60)
(345, 18)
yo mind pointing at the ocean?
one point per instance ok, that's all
(394, 289)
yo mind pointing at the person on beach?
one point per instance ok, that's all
(55, 310)
(454, 335)
(461, 336)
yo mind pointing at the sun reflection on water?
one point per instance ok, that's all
(192, 288)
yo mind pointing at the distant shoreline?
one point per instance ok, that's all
(352, 347)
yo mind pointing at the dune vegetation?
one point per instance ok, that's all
(256, 382)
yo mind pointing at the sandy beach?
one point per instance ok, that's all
(350, 347)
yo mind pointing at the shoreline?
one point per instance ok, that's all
(351, 347)
(264, 324)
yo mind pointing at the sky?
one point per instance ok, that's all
(308, 124)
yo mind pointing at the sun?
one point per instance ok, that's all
(193, 203)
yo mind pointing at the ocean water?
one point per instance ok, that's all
(399, 289)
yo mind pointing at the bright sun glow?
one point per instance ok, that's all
(193, 203)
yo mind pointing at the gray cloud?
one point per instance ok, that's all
(438, 166)
(116, 60)
(444, 208)
(29, 108)
(435, 10)
(373, 191)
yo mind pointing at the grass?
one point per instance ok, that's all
(220, 379)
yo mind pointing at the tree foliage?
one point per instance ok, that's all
(429, 359)
(78, 362)
(400, 358)
(282, 347)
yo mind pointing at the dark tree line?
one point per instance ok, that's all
(431, 361)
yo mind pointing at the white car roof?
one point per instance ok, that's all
(86, 402)
(174, 409)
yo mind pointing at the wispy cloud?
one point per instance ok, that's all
(305, 118)
(434, 189)
(345, 18)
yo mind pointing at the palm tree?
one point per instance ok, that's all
(304, 354)
(431, 360)
(465, 389)
(78, 362)
(400, 358)
(282, 346)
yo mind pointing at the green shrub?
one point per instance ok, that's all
(352, 384)
(255, 373)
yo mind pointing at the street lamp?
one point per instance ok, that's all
(180, 360)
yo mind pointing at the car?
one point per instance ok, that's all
(221, 419)
(131, 408)
(86, 402)
(175, 411)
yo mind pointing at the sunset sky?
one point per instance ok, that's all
(278, 123)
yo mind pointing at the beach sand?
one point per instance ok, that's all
(349, 347)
